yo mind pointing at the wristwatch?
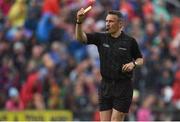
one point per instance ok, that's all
(78, 22)
(135, 63)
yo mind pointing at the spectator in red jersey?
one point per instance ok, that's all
(31, 86)
(175, 24)
(176, 87)
(127, 9)
(5, 6)
(51, 6)
(148, 8)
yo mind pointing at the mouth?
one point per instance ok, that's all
(107, 29)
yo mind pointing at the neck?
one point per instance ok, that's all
(117, 34)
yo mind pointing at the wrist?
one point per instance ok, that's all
(135, 64)
(78, 22)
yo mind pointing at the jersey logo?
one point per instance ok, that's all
(121, 48)
(106, 45)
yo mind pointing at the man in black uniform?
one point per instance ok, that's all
(119, 55)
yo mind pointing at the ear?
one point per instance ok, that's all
(120, 23)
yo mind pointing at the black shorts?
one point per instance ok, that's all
(115, 94)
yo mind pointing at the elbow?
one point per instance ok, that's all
(80, 39)
(77, 38)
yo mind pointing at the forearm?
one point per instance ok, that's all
(80, 35)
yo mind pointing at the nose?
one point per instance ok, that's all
(107, 24)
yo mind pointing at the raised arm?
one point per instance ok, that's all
(80, 34)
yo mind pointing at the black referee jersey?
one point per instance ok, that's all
(114, 52)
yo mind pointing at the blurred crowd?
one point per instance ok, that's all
(43, 67)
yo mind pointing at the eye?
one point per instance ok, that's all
(110, 21)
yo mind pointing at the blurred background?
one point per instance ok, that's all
(43, 67)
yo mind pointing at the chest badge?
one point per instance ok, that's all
(106, 45)
(122, 48)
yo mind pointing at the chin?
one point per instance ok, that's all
(109, 31)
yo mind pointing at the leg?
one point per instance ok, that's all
(105, 115)
(105, 102)
(121, 103)
(117, 116)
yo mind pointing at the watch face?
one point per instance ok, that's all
(135, 63)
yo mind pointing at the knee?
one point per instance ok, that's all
(119, 117)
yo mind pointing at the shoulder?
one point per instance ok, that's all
(101, 33)
(97, 33)
(129, 38)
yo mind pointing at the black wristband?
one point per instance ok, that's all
(78, 22)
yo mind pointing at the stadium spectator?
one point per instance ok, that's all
(14, 102)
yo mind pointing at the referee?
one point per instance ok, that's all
(119, 56)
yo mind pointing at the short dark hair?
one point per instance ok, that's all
(117, 13)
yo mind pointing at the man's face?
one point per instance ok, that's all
(113, 24)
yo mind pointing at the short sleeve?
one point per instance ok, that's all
(93, 38)
(135, 51)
